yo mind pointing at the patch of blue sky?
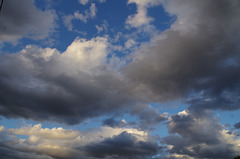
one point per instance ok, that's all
(171, 108)
(162, 20)
(228, 118)
(9, 123)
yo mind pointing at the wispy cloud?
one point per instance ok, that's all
(84, 17)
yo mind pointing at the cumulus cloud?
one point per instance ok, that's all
(197, 135)
(198, 65)
(123, 145)
(65, 87)
(59, 143)
(88, 14)
(38, 131)
(22, 19)
(196, 60)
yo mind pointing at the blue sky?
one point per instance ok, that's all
(119, 79)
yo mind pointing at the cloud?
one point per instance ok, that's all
(84, 2)
(195, 61)
(148, 116)
(38, 131)
(123, 145)
(88, 14)
(23, 19)
(200, 136)
(237, 125)
(197, 65)
(59, 143)
(65, 87)
(141, 18)
(103, 27)
(114, 123)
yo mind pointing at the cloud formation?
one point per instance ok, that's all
(68, 87)
(59, 143)
(196, 60)
(123, 145)
(22, 19)
(200, 136)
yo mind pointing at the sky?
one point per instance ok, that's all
(119, 79)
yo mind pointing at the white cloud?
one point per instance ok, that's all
(86, 56)
(1, 128)
(141, 18)
(130, 43)
(84, 17)
(84, 2)
(62, 143)
(38, 131)
(102, 27)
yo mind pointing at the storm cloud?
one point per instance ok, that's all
(196, 60)
(122, 146)
(199, 136)
(67, 87)
(20, 19)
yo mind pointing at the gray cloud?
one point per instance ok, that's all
(199, 136)
(122, 146)
(237, 125)
(42, 84)
(196, 61)
(198, 56)
(148, 116)
(59, 143)
(22, 19)
(114, 123)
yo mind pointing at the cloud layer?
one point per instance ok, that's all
(200, 136)
(195, 61)
(59, 143)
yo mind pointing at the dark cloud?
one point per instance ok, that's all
(42, 84)
(198, 55)
(123, 146)
(44, 143)
(237, 125)
(22, 19)
(148, 116)
(199, 136)
(196, 60)
(10, 153)
(114, 123)
(10, 148)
